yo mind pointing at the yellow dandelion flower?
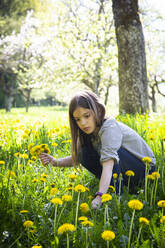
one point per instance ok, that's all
(84, 207)
(79, 188)
(67, 198)
(33, 158)
(35, 180)
(2, 162)
(108, 235)
(161, 203)
(144, 220)
(135, 204)
(16, 155)
(24, 155)
(114, 175)
(112, 188)
(69, 188)
(30, 146)
(82, 218)
(11, 174)
(44, 175)
(129, 173)
(54, 144)
(106, 197)
(87, 223)
(151, 177)
(57, 201)
(24, 211)
(53, 191)
(146, 160)
(42, 179)
(66, 228)
(72, 176)
(162, 220)
(37, 246)
(52, 185)
(28, 223)
(156, 175)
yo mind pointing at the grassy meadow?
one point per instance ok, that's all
(50, 207)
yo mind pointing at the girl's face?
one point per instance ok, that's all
(85, 119)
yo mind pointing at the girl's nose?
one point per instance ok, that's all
(83, 122)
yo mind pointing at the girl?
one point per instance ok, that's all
(102, 145)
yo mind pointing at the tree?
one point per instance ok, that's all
(87, 35)
(133, 86)
(12, 13)
(21, 56)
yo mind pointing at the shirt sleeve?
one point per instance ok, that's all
(111, 140)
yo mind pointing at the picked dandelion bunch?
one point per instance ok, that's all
(28, 223)
(161, 203)
(65, 228)
(135, 204)
(106, 198)
(144, 220)
(36, 150)
(84, 207)
(57, 201)
(79, 188)
(129, 173)
(108, 235)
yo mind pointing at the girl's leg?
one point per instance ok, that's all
(130, 162)
(90, 159)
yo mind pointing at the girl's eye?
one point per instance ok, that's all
(87, 116)
(77, 120)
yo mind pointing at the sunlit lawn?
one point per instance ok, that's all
(35, 201)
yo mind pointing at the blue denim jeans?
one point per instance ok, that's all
(90, 159)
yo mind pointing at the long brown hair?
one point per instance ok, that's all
(88, 100)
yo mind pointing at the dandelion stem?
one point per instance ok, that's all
(107, 244)
(78, 198)
(86, 237)
(146, 173)
(156, 185)
(128, 183)
(138, 237)
(67, 236)
(130, 230)
(55, 216)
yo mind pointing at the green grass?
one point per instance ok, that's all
(26, 185)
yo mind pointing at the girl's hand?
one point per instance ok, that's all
(96, 203)
(46, 158)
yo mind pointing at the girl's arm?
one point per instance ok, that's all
(62, 162)
(104, 181)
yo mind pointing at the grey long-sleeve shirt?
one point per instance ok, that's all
(113, 135)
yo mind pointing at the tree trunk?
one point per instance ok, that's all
(133, 85)
(8, 102)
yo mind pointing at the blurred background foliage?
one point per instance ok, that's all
(50, 49)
